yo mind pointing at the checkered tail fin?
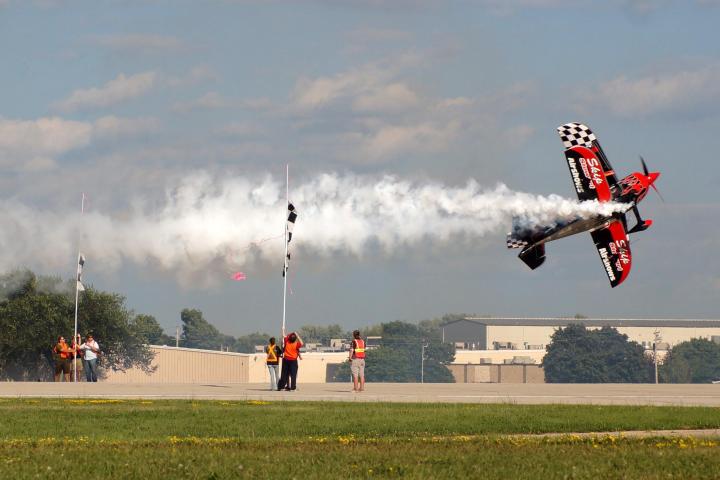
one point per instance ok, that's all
(574, 134)
(514, 242)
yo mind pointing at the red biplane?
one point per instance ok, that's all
(594, 179)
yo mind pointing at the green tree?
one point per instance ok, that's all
(694, 361)
(579, 355)
(322, 333)
(34, 311)
(246, 343)
(370, 331)
(105, 316)
(199, 333)
(399, 357)
(148, 328)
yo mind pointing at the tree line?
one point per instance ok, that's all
(579, 355)
(35, 310)
(397, 359)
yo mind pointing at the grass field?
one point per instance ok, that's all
(255, 439)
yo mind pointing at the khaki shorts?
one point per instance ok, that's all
(357, 367)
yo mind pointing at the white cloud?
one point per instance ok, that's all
(115, 91)
(32, 144)
(113, 127)
(367, 80)
(39, 164)
(241, 129)
(318, 92)
(426, 137)
(396, 96)
(370, 114)
(516, 136)
(365, 35)
(124, 88)
(680, 91)
(209, 101)
(508, 99)
(196, 75)
(139, 42)
(456, 102)
(260, 103)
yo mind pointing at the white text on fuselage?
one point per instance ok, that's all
(575, 175)
(619, 248)
(606, 263)
(592, 170)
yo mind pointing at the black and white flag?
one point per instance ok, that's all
(292, 216)
(81, 262)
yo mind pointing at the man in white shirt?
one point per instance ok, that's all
(92, 350)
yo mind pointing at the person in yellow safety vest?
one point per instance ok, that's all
(357, 362)
(273, 362)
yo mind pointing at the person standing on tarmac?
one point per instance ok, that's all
(63, 355)
(273, 362)
(291, 354)
(357, 362)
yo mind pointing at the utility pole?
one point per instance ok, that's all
(177, 336)
(655, 344)
(422, 363)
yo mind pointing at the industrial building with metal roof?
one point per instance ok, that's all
(518, 333)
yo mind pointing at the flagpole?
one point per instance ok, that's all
(82, 210)
(285, 261)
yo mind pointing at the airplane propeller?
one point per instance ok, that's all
(652, 182)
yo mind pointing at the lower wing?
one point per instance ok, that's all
(613, 245)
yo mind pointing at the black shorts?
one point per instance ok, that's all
(62, 365)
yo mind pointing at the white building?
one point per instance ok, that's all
(534, 333)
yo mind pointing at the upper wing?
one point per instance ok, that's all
(591, 171)
(613, 245)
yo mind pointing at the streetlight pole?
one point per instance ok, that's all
(422, 363)
(655, 344)
(655, 361)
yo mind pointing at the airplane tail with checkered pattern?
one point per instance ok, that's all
(520, 235)
(525, 237)
(514, 242)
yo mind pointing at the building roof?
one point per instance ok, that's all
(592, 322)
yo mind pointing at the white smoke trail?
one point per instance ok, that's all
(208, 223)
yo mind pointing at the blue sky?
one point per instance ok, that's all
(126, 100)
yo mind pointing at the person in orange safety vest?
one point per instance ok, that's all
(291, 353)
(357, 362)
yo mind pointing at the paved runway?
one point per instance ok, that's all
(596, 394)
